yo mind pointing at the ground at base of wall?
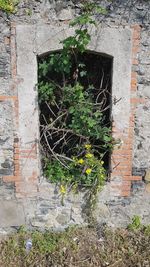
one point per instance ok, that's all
(78, 247)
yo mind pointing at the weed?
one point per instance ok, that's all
(8, 5)
(136, 223)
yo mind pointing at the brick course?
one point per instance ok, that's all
(122, 157)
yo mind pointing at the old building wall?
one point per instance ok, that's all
(34, 203)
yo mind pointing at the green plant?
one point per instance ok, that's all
(85, 172)
(147, 230)
(81, 172)
(73, 125)
(28, 11)
(8, 5)
(136, 223)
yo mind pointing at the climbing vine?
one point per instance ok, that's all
(74, 134)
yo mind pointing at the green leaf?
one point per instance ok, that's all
(83, 73)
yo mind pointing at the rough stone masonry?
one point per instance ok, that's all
(36, 28)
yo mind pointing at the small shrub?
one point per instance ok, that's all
(8, 5)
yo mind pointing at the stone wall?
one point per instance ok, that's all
(26, 197)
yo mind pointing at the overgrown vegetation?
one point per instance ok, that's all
(8, 5)
(78, 247)
(75, 130)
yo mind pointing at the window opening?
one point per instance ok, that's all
(60, 136)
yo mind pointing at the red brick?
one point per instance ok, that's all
(125, 193)
(134, 74)
(16, 145)
(122, 152)
(16, 156)
(132, 178)
(7, 97)
(17, 151)
(17, 173)
(136, 27)
(122, 172)
(122, 167)
(122, 162)
(135, 50)
(11, 178)
(136, 35)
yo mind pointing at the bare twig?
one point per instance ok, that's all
(68, 131)
(50, 109)
(57, 142)
(64, 157)
(49, 126)
(52, 152)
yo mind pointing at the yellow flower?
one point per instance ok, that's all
(80, 161)
(62, 189)
(88, 171)
(87, 146)
(89, 155)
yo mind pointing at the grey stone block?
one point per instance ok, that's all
(11, 214)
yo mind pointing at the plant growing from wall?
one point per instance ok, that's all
(74, 136)
(8, 5)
